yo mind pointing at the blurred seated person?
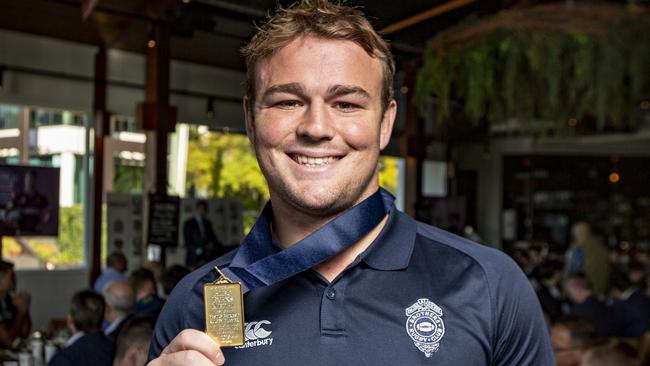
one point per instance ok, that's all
(120, 305)
(613, 354)
(116, 266)
(158, 271)
(636, 274)
(571, 337)
(87, 345)
(133, 342)
(587, 255)
(585, 304)
(642, 254)
(15, 322)
(147, 302)
(631, 307)
(547, 286)
(172, 276)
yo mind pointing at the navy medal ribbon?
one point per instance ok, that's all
(256, 265)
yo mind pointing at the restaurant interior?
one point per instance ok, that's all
(522, 125)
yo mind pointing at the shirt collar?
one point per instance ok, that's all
(111, 327)
(626, 295)
(393, 247)
(75, 337)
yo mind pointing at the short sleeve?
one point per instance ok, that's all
(170, 321)
(522, 336)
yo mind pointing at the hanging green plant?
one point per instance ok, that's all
(552, 63)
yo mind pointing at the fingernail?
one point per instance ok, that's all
(220, 359)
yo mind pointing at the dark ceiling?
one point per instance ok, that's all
(212, 31)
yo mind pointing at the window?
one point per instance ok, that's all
(128, 173)
(61, 145)
(8, 116)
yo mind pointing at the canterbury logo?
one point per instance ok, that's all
(254, 330)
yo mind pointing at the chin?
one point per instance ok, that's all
(318, 202)
(321, 200)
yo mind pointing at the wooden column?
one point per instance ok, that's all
(23, 120)
(101, 124)
(157, 92)
(412, 143)
(157, 118)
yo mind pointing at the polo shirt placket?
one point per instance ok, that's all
(332, 311)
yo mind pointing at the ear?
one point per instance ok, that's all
(249, 120)
(387, 121)
(69, 322)
(133, 353)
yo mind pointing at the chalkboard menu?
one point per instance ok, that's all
(163, 220)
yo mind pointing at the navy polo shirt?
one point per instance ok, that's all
(417, 296)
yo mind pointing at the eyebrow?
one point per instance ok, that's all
(333, 91)
(290, 88)
(340, 90)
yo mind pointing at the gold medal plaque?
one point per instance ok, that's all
(224, 311)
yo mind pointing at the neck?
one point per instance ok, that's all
(549, 282)
(331, 268)
(584, 297)
(290, 226)
(143, 294)
(114, 316)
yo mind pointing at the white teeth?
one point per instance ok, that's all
(310, 161)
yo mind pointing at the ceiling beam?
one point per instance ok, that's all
(235, 8)
(406, 48)
(425, 15)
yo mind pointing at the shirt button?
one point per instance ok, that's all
(331, 294)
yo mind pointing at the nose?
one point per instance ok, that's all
(317, 123)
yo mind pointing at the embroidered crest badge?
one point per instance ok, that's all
(425, 326)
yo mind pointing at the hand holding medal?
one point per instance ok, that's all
(224, 327)
(190, 347)
(224, 311)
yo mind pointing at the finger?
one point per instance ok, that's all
(192, 339)
(184, 358)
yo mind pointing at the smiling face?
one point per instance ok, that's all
(317, 124)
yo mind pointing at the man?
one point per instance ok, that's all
(588, 256)
(586, 305)
(631, 307)
(15, 321)
(133, 342)
(88, 345)
(199, 237)
(571, 338)
(120, 304)
(547, 280)
(334, 274)
(615, 354)
(115, 270)
(636, 272)
(147, 302)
